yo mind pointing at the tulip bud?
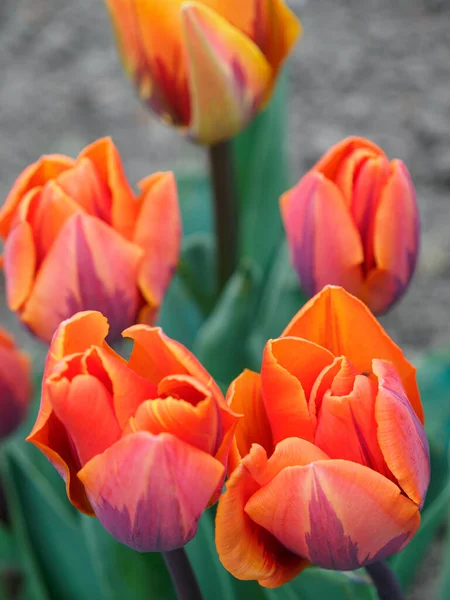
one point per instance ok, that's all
(76, 237)
(15, 384)
(207, 67)
(142, 444)
(353, 221)
(332, 464)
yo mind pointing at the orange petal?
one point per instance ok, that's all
(155, 356)
(246, 550)
(158, 233)
(84, 407)
(15, 384)
(228, 74)
(19, 265)
(324, 243)
(124, 206)
(341, 323)
(46, 168)
(395, 239)
(77, 275)
(244, 397)
(401, 435)
(338, 514)
(289, 368)
(149, 491)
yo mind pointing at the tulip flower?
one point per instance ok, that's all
(77, 238)
(331, 464)
(207, 66)
(15, 384)
(142, 444)
(353, 221)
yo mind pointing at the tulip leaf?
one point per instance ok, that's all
(281, 299)
(220, 344)
(197, 270)
(444, 586)
(122, 572)
(260, 165)
(194, 191)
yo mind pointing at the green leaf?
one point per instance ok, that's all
(194, 191)
(320, 584)
(444, 586)
(220, 344)
(197, 270)
(122, 572)
(260, 163)
(281, 299)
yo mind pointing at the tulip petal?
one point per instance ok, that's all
(19, 265)
(77, 275)
(401, 435)
(289, 368)
(324, 243)
(340, 515)
(36, 175)
(396, 237)
(84, 407)
(246, 550)
(158, 233)
(149, 491)
(155, 356)
(228, 74)
(124, 207)
(244, 397)
(15, 384)
(341, 323)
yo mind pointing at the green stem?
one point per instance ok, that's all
(385, 581)
(182, 575)
(225, 210)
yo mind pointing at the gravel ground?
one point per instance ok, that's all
(371, 67)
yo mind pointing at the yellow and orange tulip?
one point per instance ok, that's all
(331, 463)
(77, 238)
(353, 221)
(205, 66)
(142, 444)
(15, 384)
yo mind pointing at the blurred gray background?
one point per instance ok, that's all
(377, 68)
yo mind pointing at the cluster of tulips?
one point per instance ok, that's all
(321, 457)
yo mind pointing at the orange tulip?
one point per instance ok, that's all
(142, 444)
(78, 238)
(353, 221)
(331, 463)
(206, 66)
(15, 384)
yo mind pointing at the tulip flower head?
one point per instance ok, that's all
(15, 384)
(353, 221)
(77, 238)
(206, 66)
(331, 464)
(142, 444)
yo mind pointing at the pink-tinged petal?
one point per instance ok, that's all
(401, 435)
(36, 175)
(84, 184)
(395, 238)
(341, 323)
(127, 388)
(77, 275)
(289, 368)
(149, 491)
(84, 407)
(338, 514)
(108, 164)
(346, 426)
(155, 356)
(158, 233)
(324, 243)
(228, 74)
(244, 397)
(15, 384)
(19, 265)
(245, 549)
